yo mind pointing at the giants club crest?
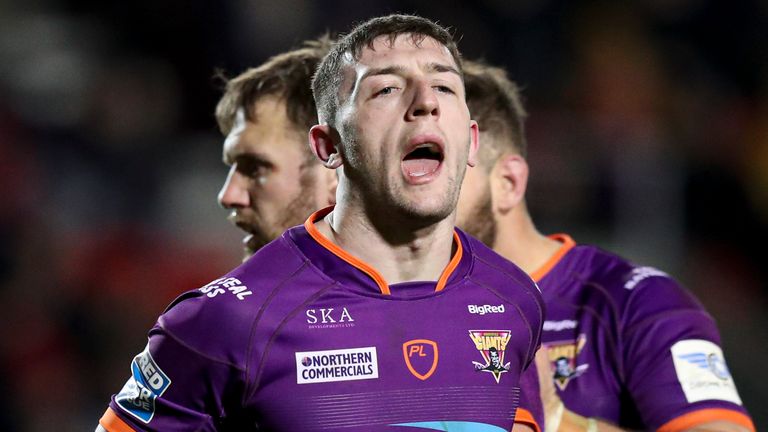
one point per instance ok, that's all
(492, 345)
(421, 357)
(562, 360)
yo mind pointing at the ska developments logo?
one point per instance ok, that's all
(421, 357)
(329, 318)
(562, 359)
(492, 345)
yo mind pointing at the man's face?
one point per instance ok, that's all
(474, 213)
(406, 135)
(495, 360)
(271, 184)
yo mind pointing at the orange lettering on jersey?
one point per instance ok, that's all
(421, 357)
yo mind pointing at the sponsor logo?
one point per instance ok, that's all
(329, 318)
(559, 325)
(485, 309)
(702, 372)
(641, 273)
(222, 285)
(562, 360)
(336, 365)
(147, 383)
(492, 345)
(421, 357)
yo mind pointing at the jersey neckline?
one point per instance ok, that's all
(366, 268)
(567, 244)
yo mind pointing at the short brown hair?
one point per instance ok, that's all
(327, 81)
(494, 102)
(287, 76)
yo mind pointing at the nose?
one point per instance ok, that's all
(424, 102)
(234, 193)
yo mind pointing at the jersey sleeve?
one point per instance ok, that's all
(173, 385)
(530, 411)
(675, 369)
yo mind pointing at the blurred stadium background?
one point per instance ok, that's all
(648, 135)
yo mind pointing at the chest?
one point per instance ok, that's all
(367, 363)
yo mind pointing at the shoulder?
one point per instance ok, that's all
(218, 318)
(489, 266)
(500, 276)
(636, 290)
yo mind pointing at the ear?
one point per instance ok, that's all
(509, 181)
(474, 143)
(323, 140)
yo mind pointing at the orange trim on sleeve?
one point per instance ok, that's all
(695, 418)
(364, 267)
(111, 422)
(568, 244)
(451, 265)
(525, 417)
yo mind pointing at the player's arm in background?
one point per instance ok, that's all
(669, 344)
(560, 419)
(522, 427)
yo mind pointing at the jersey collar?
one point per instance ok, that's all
(567, 244)
(371, 275)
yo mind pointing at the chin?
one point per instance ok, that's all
(430, 211)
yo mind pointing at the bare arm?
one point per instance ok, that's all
(559, 418)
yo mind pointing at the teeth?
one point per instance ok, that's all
(432, 147)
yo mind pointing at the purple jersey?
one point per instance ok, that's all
(303, 336)
(628, 345)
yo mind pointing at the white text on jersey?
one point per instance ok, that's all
(484, 309)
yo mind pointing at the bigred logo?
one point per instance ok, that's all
(421, 357)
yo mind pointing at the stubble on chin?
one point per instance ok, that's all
(294, 213)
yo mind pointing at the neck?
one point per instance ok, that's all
(518, 240)
(400, 254)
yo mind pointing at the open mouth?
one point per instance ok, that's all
(423, 160)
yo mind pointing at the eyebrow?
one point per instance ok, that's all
(249, 158)
(400, 70)
(440, 68)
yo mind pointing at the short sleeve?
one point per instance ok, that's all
(172, 388)
(672, 357)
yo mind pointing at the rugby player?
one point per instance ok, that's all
(624, 346)
(350, 321)
(274, 180)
